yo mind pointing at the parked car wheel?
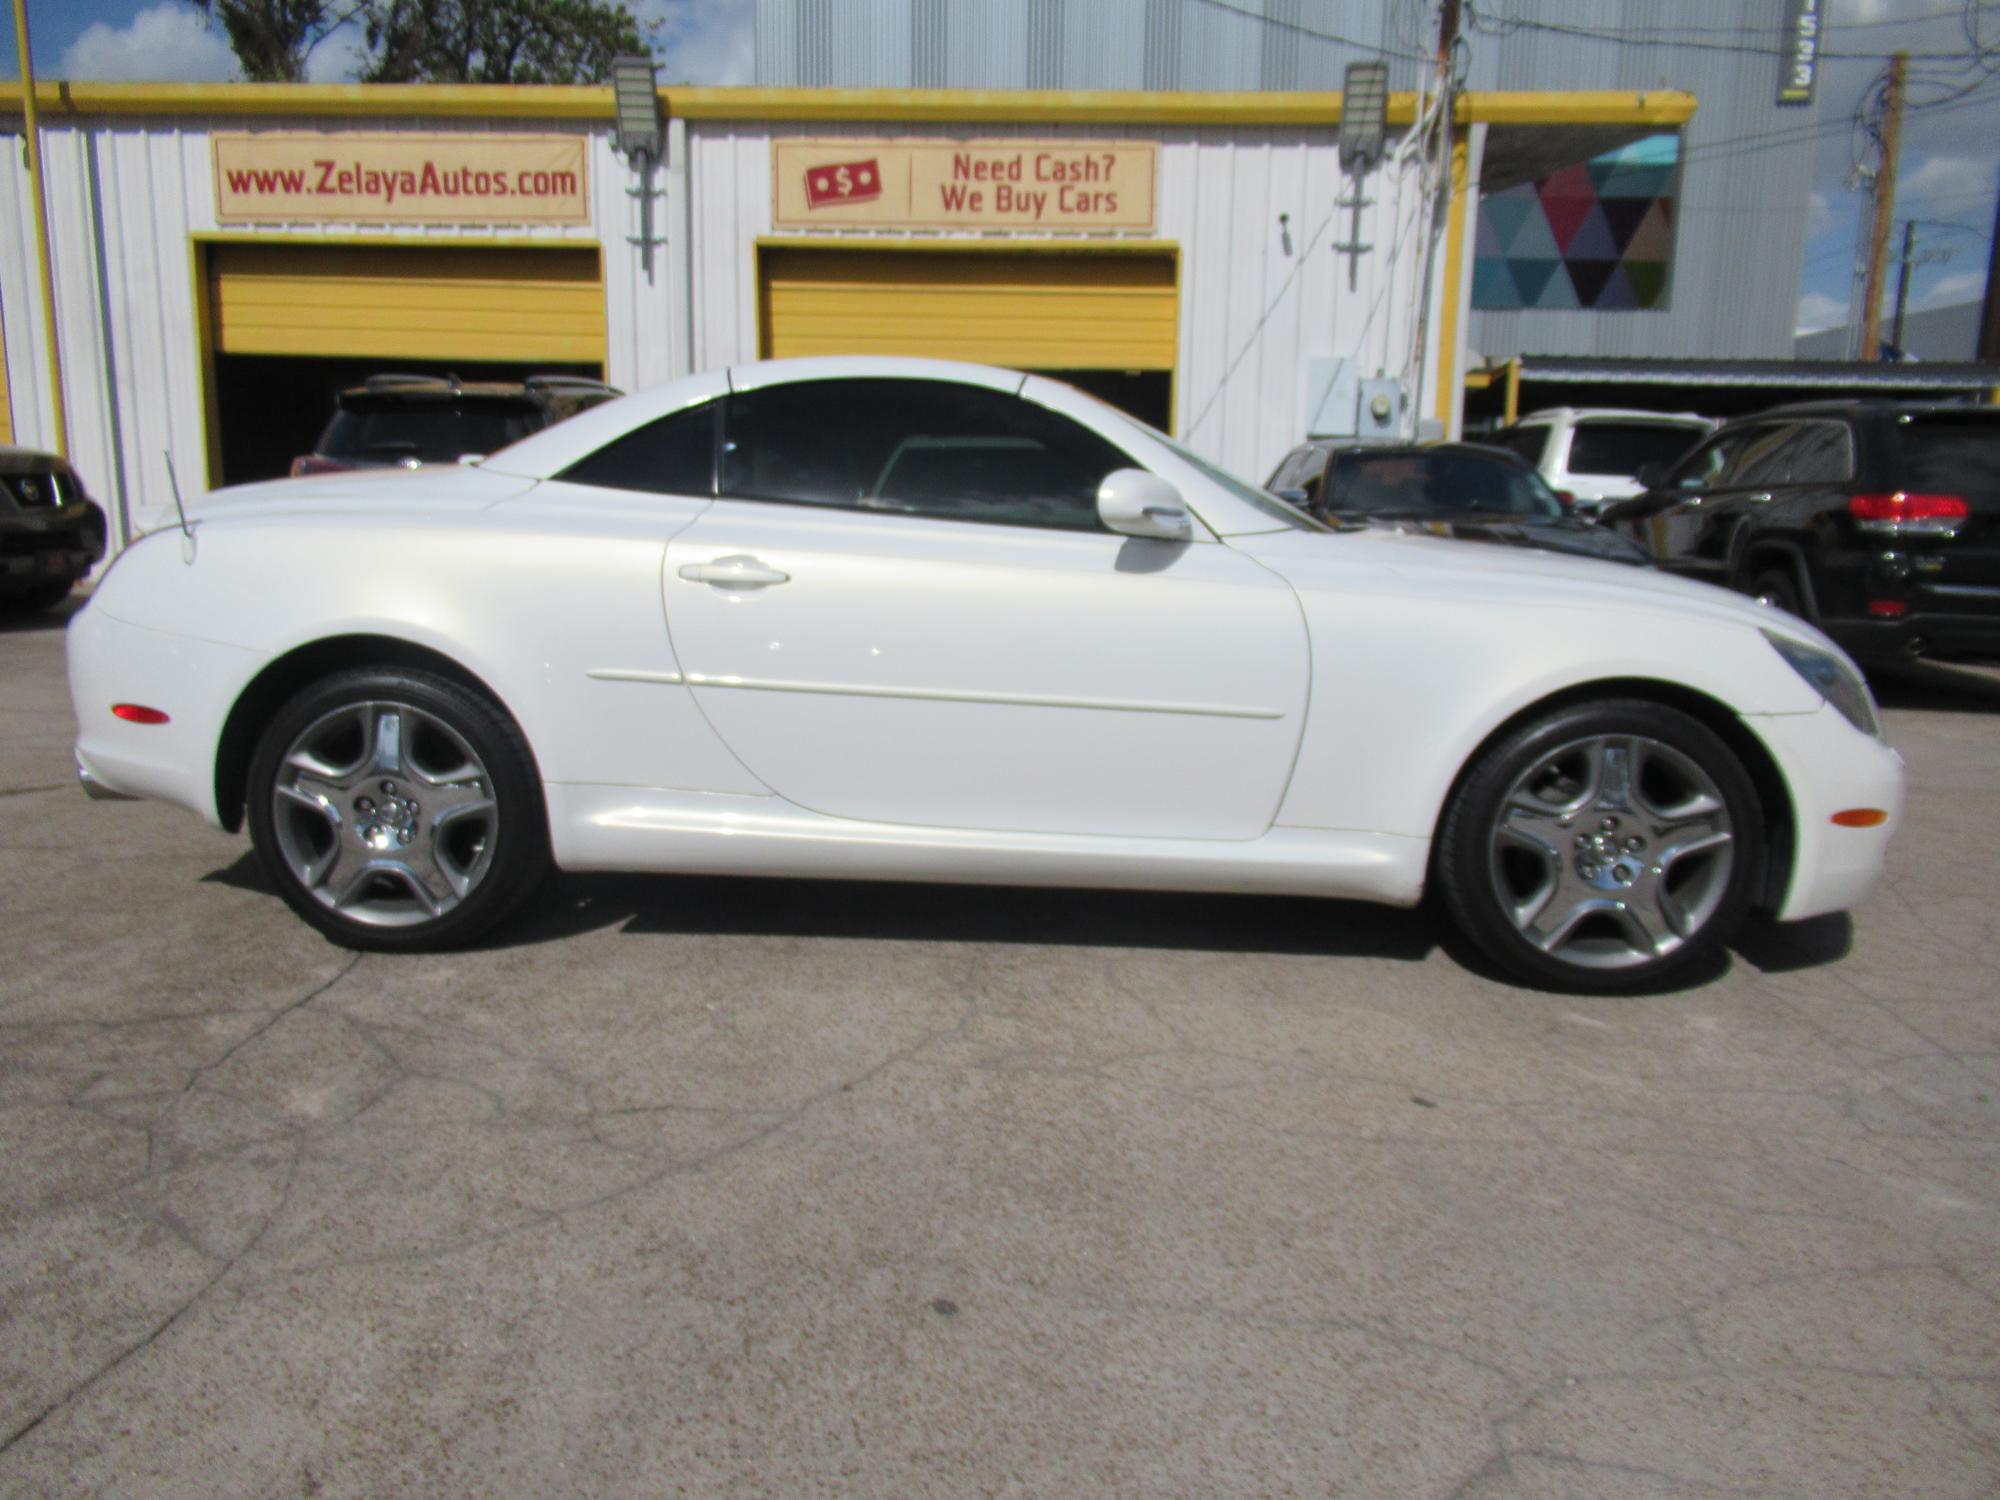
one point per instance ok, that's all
(397, 811)
(1611, 848)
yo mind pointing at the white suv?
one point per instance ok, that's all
(1591, 454)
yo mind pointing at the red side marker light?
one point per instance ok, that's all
(138, 713)
(1861, 817)
(1888, 609)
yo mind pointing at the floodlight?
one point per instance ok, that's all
(638, 97)
(1364, 111)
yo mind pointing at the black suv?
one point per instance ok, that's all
(410, 420)
(50, 530)
(1878, 521)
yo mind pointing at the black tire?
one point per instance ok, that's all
(348, 839)
(1777, 587)
(38, 597)
(1549, 869)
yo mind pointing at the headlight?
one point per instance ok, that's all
(1833, 678)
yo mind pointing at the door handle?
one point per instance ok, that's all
(739, 570)
(1762, 497)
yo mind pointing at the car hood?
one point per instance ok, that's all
(1411, 563)
(1562, 535)
(444, 491)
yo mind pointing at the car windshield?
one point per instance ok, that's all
(430, 432)
(1406, 483)
(1263, 500)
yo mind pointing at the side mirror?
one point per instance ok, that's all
(1133, 502)
(1294, 497)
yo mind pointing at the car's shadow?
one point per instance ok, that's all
(1937, 687)
(741, 906)
(15, 620)
(736, 906)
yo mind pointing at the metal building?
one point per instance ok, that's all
(1744, 160)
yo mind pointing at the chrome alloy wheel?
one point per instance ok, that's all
(384, 814)
(1612, 851)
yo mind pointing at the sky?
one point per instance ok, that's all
(1950, 169)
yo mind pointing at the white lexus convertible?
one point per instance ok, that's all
(899, 619)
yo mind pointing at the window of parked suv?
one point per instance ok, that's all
(1530, 442)
(1616, 449)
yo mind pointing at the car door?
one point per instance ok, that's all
(902, 608)
(1694, 533)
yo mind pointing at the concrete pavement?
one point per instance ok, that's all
(759, 1187)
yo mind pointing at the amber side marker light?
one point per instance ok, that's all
(138, 713)
(1861, 817)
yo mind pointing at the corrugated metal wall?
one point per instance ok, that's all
(126, 198)
(1259, 296)
(1743, 201)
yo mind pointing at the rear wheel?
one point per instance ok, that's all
(1607, 848)
(396, 810)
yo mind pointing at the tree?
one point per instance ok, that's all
(271, 38)
(495, 41)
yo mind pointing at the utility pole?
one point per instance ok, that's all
(1885, 208)
(1989, 318)
(31, 121)
(1902, 286)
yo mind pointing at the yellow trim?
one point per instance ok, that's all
(390, 100)
(211, 415)
(1478, 380)
(985, 245)
(1512, 410)
(472, 241)
(6, 396)
(1452, 293)
(1663, 107)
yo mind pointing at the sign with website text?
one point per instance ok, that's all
(293, 178)
(1097, 187)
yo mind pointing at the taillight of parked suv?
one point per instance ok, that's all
(1902, 514)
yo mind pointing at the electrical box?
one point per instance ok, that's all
(1379, 412)
(1332, 387)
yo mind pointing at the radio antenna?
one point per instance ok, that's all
(174, 481)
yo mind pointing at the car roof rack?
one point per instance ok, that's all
(566, 382)
(394, 382)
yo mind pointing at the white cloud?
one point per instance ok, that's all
(1817, 310)
(1949, 177)
(167, 43)
(1960, 286)
(701, 41)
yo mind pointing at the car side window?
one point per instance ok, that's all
(1722, 460)
(1530, 442)
(1811, 453)
(672, 456)
(915, 447)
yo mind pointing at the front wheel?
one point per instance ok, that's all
(396, 810)
(1606, 848)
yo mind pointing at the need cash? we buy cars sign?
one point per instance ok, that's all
(285, 177)
(1071, 186)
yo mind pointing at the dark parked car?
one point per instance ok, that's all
(1462, 490)
(1878, 521)
(435, 419)
(50, 530)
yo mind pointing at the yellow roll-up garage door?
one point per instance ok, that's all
(382, 301)
(1038, 311)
